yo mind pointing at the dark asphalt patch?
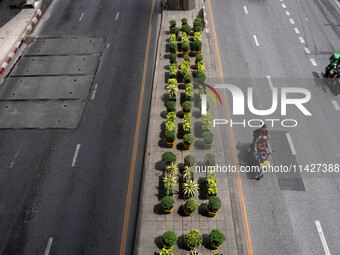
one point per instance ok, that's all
(283, 156)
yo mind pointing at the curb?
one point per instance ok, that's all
(17, 45)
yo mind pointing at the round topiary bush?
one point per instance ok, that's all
(191, 205)
(184, 21)
(170, 136)
(173, 47)
(193, 239)
(173, 58)
(199, 58)
(208, 137)
(188, 139)
(197, 45)
(169, 157)
(186, 58)
(167, 203)
(210, 159)
(186, 106)
(186, 28)
(171, 106)
(175, 30)
(216, 237)
(189, 160)
(169, 238)
(185, 46)
(214, 204)
(198, 29)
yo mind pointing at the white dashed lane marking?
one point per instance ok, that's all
(117, 16)
(291, 21)
(287, 13)
(75, 155)
(336, 106)
(291, 145)
(49, 245)
(284, 6)
(81, 17)
(296, 30)
(245, 9)
(256, 41)
(322, 238)
(313, 62)
(307, 50)
(301, 40)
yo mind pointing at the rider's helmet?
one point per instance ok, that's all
(262, 142)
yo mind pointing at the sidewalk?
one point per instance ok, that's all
(152, 223)
(14, 24)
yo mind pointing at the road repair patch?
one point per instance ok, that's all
(49, 85)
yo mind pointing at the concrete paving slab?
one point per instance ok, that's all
(65, 46)
(56, 65)
(40, 114)
(49, 87)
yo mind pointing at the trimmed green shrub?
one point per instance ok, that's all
(191, 205)
(197, 22)
(197, 29)
(188, 78)
(197, 45)
(185, 46)
(173, 58)
(169, 157)
(189, 139)
(210, 159)
(172, 23)
(186, 58)
(167, 202)
(170, 136)
(173, 47)
(201, 77)
(175, 30)
(199, 58)
(216, 237)
(193, 238)
(189, 160)
(214, 204)
(171, 106)
(187, 106)
(186, 28)
(208, 137)
(184, 21)
(169, 238)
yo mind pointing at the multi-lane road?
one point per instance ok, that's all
(65, 191)
(287, 43)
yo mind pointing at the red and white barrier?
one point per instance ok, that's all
(18, 43)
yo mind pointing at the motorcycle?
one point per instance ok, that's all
(261, 161)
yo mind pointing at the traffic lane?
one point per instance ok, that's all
(122, 99)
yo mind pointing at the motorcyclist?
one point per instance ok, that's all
(260, 132)
(262, 144)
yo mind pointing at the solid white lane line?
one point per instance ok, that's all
(49, 245)
(284, 6)
(270, 83)
(287, 13)
(313, 62)
(307, 50)
(336, 106)
(75, 156)
(301, 40)
(291, 21)
(117, 15)
(81, 17)
(256, 41)
(322, 237)
(320, 74)
(296, 30)
(245, 9)
(291, 145)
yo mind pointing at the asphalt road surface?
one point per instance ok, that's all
(82, 207)
(291, 40)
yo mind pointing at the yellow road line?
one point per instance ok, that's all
(239, 183)
(135, 144)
